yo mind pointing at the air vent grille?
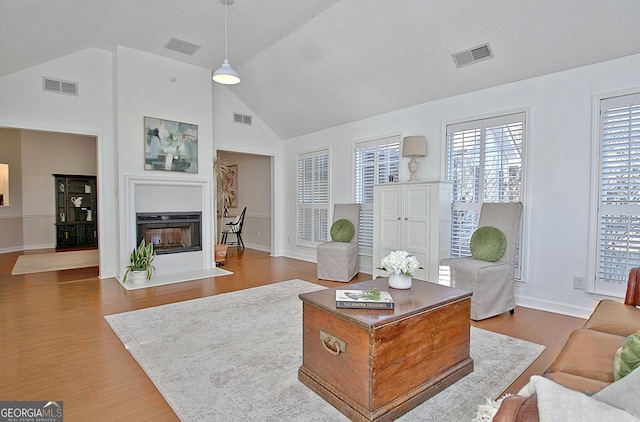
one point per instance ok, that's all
(242, 118)
(472, 55)
(181, 46)
(59, 87)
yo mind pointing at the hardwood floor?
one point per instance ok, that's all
(56, 345)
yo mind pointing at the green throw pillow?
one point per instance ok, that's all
(627, 357)
(488, 244)
(342, 231)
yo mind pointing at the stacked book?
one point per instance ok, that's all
(364, 299)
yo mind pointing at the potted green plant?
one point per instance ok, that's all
(140, 263)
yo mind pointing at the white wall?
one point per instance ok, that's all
(257, 139)
(558, 154)
(154, 86)
(23, 105)
(115, 92)
(11, 215)
(558, 159)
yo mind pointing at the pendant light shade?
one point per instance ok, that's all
(225, 74)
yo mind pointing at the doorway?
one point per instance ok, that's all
(36, 156)
(254, 191)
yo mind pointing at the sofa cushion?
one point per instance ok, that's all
(623, 394)
(342, 230)
(589, 354)
(614, 318)
(557, 403)
(627, 357)
(488, 244)
(577, 382)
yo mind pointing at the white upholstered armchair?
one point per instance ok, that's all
(338, 261)
(492, 283)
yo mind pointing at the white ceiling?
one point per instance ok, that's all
(311, 64)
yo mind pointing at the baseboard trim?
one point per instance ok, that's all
(300, 257)
(555, 307)
(261, 248)
(43, 246)
(12, 249)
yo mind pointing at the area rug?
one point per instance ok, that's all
(160, 280)
(235, 357)
(39, 263)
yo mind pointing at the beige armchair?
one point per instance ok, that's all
(338, 261)
(492, 283)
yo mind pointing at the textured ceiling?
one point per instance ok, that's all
(312, 64)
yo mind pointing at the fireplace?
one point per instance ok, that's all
(170, 232)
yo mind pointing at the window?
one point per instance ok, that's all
(618, 244)
(313, 197)
(484, 162)
(376, 162)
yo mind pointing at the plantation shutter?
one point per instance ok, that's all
(619, 204)
(463, 168)
(375, 162)
(313, 197)
(484, 162)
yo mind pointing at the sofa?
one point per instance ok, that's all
(585, 365)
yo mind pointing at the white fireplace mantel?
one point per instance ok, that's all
(171, 194)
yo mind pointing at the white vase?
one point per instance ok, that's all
(138, 277)
(399, 281)
(168, 161)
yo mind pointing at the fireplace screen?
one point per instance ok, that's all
(170, 232)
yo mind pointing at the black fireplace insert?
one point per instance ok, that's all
(170, 232)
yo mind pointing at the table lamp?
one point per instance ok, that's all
(414, 146)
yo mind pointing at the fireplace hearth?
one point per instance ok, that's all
(170, 232)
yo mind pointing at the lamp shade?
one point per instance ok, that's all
(414, 146)
(226, 75)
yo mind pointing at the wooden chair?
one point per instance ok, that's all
(235, 227)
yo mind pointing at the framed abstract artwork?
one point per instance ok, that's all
(170, 146)
(230, 184)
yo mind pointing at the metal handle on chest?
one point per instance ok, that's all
(333, 344)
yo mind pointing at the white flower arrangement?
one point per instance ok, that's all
(400, 262)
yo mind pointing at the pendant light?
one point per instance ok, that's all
(225, 74)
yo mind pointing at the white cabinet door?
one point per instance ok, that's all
(416, 216)
(389, 220)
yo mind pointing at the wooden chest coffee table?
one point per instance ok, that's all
(379, 364)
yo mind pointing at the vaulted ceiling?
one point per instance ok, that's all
(307, 65)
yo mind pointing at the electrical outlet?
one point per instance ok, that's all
(258, 235)
(578, 283)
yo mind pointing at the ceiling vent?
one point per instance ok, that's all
(473, 55)
(182, 46)
(242, 118)
(60, 87)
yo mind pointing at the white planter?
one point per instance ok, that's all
(138, 277)
(399, 281)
